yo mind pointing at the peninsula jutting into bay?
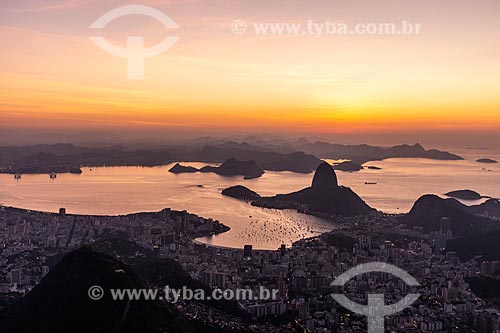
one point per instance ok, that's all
(324, 198)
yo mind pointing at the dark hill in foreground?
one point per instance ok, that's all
(60, 302)
(486, 245)
(464, 195)
(168, 272)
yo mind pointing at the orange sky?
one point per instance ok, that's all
(445, 78)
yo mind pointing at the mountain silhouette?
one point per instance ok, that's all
(464, 195)
(363, 153)
(486, 160)
(324, 177)
(240, 192)
(348, 166)
(324, 197)
(60, 302)
(428, 210)
(178, 168)
(233, 167)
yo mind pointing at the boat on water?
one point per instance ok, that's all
(370, 183)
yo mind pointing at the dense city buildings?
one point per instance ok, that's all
(301, 274)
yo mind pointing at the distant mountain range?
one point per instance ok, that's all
(61, 158)
(295, 161)
(361, 154)
(299, 156)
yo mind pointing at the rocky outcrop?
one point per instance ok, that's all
(348, 166)
(324, 197)
(486, 160)
(429, 209)
(240, 192)
(233, 167)
(324, 177)
(464, 195)
(178, 168)
(230, 167)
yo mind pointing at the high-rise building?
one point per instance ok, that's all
(206, 278)
(444, 224)
(283, 249)
(247, 251)
(16, 276)
(220, 279)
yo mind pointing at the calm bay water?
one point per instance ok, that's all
(122, 190)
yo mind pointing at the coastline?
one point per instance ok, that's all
(220, 227)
